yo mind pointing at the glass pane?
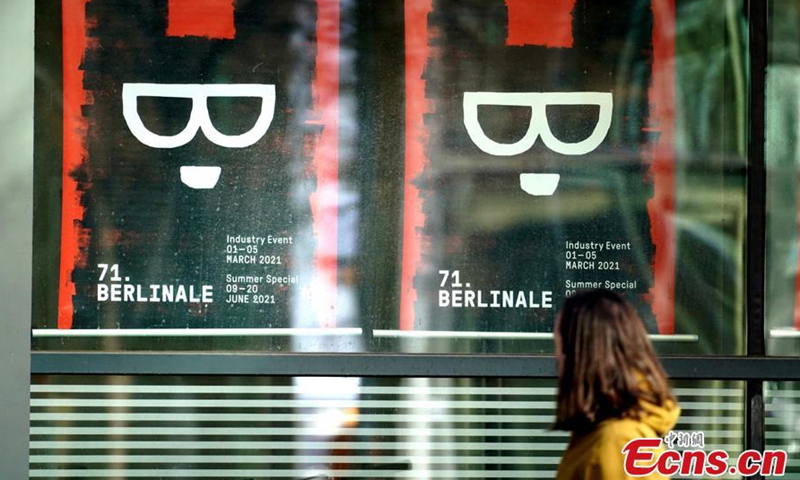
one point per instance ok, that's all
(783, 167)
(782, 429)
(245, 427)
(408, 176)
(202, 169)
(509, 200)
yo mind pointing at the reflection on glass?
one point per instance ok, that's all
(783, 168)
(652, 203)
(246, 427)
(783, 422)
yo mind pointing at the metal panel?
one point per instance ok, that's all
(387, 365)
(16, 193)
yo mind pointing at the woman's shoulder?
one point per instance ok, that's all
(598, 453)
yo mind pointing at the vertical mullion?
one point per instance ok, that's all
(756, 179)
(756, 218)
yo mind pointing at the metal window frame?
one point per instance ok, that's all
(755, 270)
(755, 369)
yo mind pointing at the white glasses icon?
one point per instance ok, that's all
(199, 119)
(197, 177)
(532, 183)
(539, 126)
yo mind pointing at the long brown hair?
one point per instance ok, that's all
(608, 364)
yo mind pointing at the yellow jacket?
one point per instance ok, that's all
(597, 455)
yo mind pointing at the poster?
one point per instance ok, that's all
(546, 169)
(200, 158)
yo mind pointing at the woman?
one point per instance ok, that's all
(611, 387)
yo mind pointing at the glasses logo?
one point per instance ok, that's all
(199, 177)
(537, 184)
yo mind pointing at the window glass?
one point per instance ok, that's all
(783, 165)
(418, 176)
(782, 429)
(247, 427)
(506, 191)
